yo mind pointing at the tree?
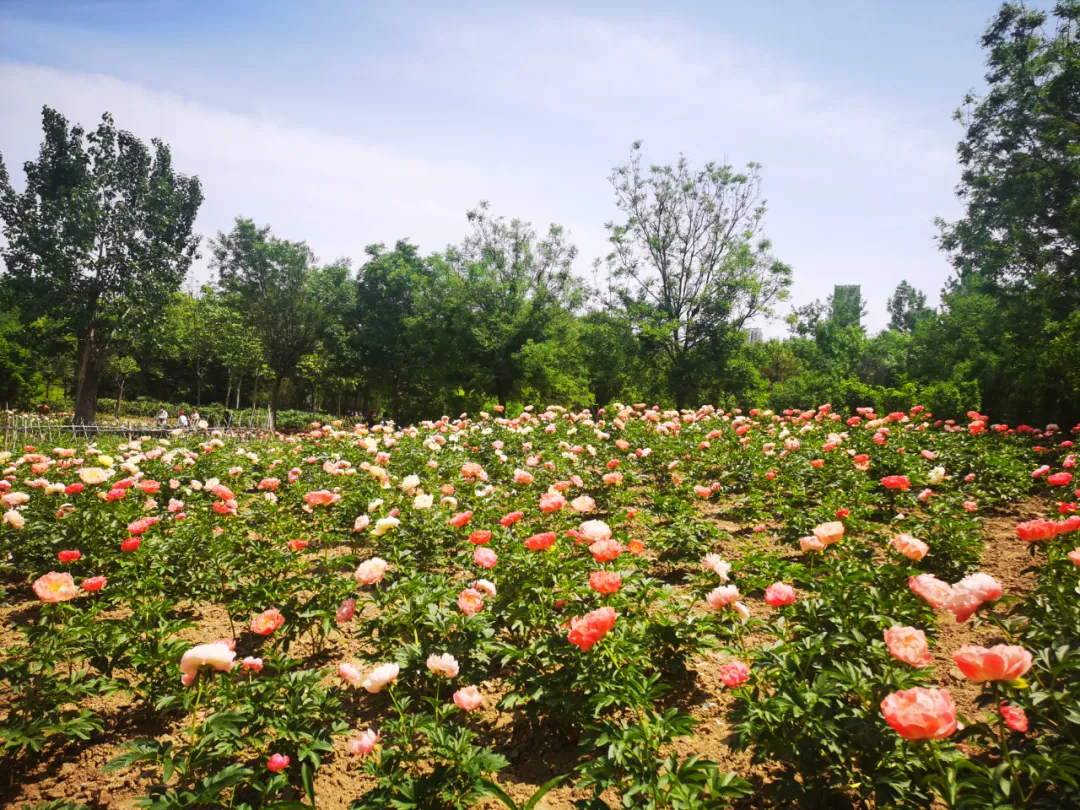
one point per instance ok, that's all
(269, 278)
(803, 322)
(906, 306)
(515, 286)
(100, 237)
(688, 266)
(1020, 178)
(119, 367)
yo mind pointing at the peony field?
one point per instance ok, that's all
(620, 607)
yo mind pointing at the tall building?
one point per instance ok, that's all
(754, 335)
(847, 305)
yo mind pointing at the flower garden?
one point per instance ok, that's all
(626, 607)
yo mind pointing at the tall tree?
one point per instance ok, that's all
(515, 285)
(270, 279)
(906, 306)
(688, 266)
(1021, 178)
(100, 236)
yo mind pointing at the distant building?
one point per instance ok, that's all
(848, 307)
(754, 336)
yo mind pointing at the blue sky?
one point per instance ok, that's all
(347, 123)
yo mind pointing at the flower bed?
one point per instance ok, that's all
(571, 609)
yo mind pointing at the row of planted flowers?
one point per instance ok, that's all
(562, 567)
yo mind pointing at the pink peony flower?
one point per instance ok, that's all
(468, 698)
(734, 673)
(485, 557)
(444, 665)
(779, 594)
(321, 497)
(267, 622)
(277, 763)
(909, 546)
(216, 655)
(605, 582)
(920, 713)
(345, 611)
(363, 745)
(908, 644)
(932, 589)
(1001, 662)
(350, 673)
(470, 601)
(970, 593)
(54, 587)
(586, 630)
(722, 596)
(94, 583)
(371, 571)
(252, 664)
(379, 677)
(551, 502)
(1015, 717)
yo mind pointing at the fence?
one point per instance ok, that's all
(19, 430)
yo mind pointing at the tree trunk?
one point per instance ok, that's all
(274, 394)
(254, 397)
(239, 385)
(198, 384)
(228, 390)
(119, 399)
(91, 362)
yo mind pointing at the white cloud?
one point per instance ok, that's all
(529, 113)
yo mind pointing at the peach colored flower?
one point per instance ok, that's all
(592, 531)
(54, 587)
(371, 571)
(909, 546)
(541, 541)
(321, 497)
(829, 533)
(470, 601)
(811, 543)
(13, 518)
(485, 557)
(380, 677)
(908, 644)
(722, 596)
(444, 665)
(586, 630)
(215, 655)
(551, 502)
(920, 713)
(720, 567)
(468, 698)
(606, 550)
(1002, 662)
(364, 744)
(583, 503)
(605, 582)
(267, 622)
(932, 589)
(350, 673)
(779, 594)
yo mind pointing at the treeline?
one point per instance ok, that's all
(100, 241)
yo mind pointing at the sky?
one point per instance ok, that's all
(349, 123)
